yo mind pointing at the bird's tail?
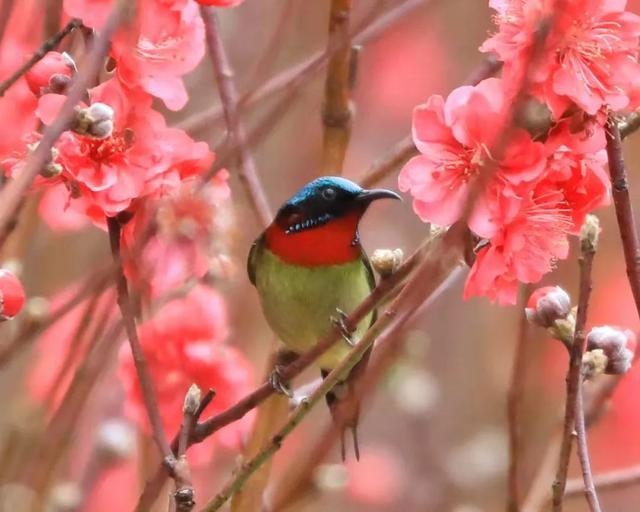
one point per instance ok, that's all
(345, 409)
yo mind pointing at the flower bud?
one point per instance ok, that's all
(594, 363)
(192, 400)
(546, 305)
(54, 70)
(52, 168)
(617, 344)
(94, 121)
(386, 261)
(590, 233)
(12, 295)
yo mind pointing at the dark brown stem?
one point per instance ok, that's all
(49, 45)
(12, 193)
(514, 399)
(142, 370)
(624, 210)
(336, 110)
(629, 124)
(574, 374)
(230, 100)
(583, 452)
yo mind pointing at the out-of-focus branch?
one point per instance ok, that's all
(49, 45)
(427, 277)
(629, 124)
(336, 110)
(235, 131)
(5, 14)
(139, 360)
(299, 74)
(11, 194)
(574, 374)
(514, 399)
(405, 149)
(624, 210)
(606, 481)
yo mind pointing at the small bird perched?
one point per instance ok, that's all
(310, 270)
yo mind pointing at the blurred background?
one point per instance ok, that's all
(434, 436)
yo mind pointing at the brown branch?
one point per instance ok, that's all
(574, 373)
(514, 399)
(142, 370)
(403, 150)
(583, 451)
(229, 95)
(629, 124)
(184, 497)
(299, 74)
(336, 110)
(609, 481)
(624, 210)
(49, 45)
(12, 193)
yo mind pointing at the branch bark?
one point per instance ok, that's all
(574, 374)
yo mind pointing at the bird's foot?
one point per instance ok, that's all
(340, 321)
(277, 382)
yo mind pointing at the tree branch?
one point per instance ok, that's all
(514, 399)
(574, 373)
(336, 110)
(624, 210)
(142, 370)
(606, 481)
(49, 45)
(235, 131)
(583, 451)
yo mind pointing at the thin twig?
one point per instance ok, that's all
(583, 451)
(12, 193)
(610, 481)
(49, 45)
(229, 95)
(139, 360)
(184, 497)
(624, 210)
(596, 404)
(514, 399)
(417, 290)
(574, 373)
(336, 110)
(299, 74)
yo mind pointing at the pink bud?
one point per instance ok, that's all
(548, 304)
(617, 344)
(48, 74)
(12, 295)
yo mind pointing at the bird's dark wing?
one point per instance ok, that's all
(256, 247)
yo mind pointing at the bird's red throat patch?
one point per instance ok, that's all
(328, 244)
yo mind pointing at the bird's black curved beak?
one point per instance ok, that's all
(367, 196)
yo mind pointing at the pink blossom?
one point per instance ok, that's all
(51, 74)
(590, 59)
(141, 158)
(454, 138)
(12, 295)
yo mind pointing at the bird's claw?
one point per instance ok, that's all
(278, 384)
(340, 321)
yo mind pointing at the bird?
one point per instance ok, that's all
(310, 271)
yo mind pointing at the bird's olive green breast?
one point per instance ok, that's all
(299, 302)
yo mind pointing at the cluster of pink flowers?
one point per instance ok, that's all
(543, 185)
(120, 158)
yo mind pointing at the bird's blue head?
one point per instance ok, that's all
(325, 199)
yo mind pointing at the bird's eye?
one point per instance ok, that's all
(329, 193)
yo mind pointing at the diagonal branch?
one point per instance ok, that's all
(230, 100)
(144, 377)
